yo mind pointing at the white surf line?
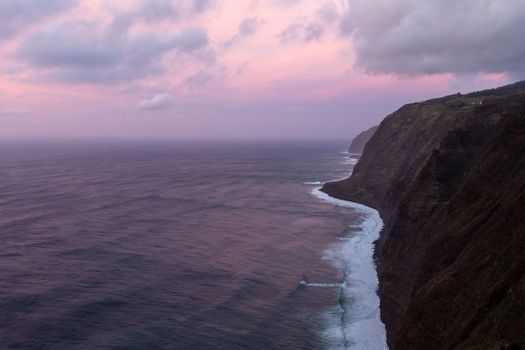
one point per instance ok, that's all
(317, 183)
(358, 325)
(323, 285)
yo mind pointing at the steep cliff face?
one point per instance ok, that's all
(448, 176)
(358, 143)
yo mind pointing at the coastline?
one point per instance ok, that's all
(357, 324)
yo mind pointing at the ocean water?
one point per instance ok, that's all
(183, 245)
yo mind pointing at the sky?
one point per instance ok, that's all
(243, 68)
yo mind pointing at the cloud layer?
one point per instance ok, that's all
(414, 37)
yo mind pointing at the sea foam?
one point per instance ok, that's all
(355, 323)
(316, 183)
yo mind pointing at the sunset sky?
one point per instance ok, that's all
(243, 68)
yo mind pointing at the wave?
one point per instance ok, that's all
(349, 161)
(355, 323)
(323, 285)
(316, 183)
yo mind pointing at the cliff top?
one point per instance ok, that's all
(477, 97)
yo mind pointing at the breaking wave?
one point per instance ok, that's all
(355, 323)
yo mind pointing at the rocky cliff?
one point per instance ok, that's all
(358, 143)
(448, 176)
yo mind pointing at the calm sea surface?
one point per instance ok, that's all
(167, 245)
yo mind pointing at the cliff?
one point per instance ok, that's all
(448, 176)
(359, 142)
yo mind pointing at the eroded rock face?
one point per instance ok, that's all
(448, 177)
(358, 143)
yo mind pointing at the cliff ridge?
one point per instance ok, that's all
(359, 142)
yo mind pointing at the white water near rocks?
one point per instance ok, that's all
(355, 323)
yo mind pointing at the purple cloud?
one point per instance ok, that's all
(299, 31)
(200, 78)
(157, 102)
(72, 52)
(313, 31)
(18, 15)
(411, 37)
(202, 5)
(291, 33)
(14, 112)
(246, 28)
(327, 13)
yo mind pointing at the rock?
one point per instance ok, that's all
(359, 142)
(448, 176)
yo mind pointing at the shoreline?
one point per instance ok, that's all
(358, 323)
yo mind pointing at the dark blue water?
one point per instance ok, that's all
(166, 245)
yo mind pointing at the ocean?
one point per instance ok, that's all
(183, 245)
